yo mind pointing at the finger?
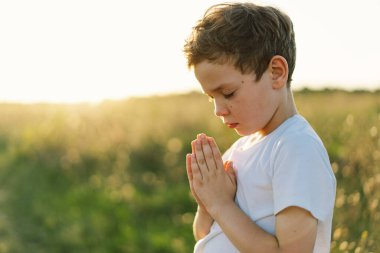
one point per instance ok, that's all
(216, 153)
(196, 172)
(200, 158)
(207, 153)
(188, 167)
(193, 143)
(231, 172)
(193, 146)
(230, 168)
(190, 175)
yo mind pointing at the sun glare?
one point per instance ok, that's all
(89, 51)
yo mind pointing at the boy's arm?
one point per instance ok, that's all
(296, 231)
(202, 223)
(295, 227)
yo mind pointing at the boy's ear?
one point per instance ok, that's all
(279, 70)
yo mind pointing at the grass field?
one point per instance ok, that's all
(111, 177)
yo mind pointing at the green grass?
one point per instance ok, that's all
(111, 177)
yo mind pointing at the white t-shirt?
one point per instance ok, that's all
(288, 167)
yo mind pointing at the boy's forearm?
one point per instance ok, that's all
(202, 224)
(243, 232)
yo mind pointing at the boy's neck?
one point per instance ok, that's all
(286, 110)
(291, 108)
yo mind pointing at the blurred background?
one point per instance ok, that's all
(97, 110)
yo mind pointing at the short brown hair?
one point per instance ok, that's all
(246, 34)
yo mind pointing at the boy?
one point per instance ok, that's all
(275, 190)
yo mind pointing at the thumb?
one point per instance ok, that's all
(230, 170)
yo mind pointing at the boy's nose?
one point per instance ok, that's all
(220, 109)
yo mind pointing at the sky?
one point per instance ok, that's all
(91, 50)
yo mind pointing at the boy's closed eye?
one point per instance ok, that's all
(226, 95)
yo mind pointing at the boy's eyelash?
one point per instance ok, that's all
(228, 95)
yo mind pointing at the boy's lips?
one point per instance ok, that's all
(232, 125)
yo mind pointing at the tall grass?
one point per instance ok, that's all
(111, 177)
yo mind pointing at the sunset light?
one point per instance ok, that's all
(74, 51)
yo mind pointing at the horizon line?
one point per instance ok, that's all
(173, 93)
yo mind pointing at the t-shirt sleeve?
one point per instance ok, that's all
(302, 177)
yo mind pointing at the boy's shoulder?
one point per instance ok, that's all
(298, 130)
(298, 138)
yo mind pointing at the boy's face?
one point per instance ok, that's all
(244, 104)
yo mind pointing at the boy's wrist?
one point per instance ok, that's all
(202, 211)
(218, 210)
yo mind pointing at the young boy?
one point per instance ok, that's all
(273, 190)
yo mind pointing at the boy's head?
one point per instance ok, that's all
(243, 34)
